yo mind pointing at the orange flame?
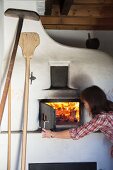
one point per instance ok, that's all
(67, 111)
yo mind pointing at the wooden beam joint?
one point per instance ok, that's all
(65, 6)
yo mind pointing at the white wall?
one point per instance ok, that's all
(1, 33)
(86, 67)
(77, 38)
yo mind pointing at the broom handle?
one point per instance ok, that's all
(26, 100)
(28, 42)
(9, 129)
(10, 69)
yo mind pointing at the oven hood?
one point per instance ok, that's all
(59, 78)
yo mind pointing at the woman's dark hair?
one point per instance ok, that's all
(96, 99)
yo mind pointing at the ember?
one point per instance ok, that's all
(66, 112)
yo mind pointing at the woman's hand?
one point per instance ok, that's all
(61, 134)
(47, 133)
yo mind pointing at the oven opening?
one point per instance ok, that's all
(59, 113)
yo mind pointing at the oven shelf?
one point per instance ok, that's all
(20, 131)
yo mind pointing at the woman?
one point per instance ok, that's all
(101, 111)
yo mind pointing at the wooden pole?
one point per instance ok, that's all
(28, 42)
(21, 14)
(9, 129)
(10, 69)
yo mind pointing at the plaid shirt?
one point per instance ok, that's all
(102, 122)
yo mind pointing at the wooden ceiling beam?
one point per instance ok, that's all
(79, 27)
(65, 6)
(101, 11)
(48, 7)
(92, 2)
(67, 22)
(78, 14)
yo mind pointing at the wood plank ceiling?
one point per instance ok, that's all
(78, 14)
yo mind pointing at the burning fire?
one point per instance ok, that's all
(66, 111)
